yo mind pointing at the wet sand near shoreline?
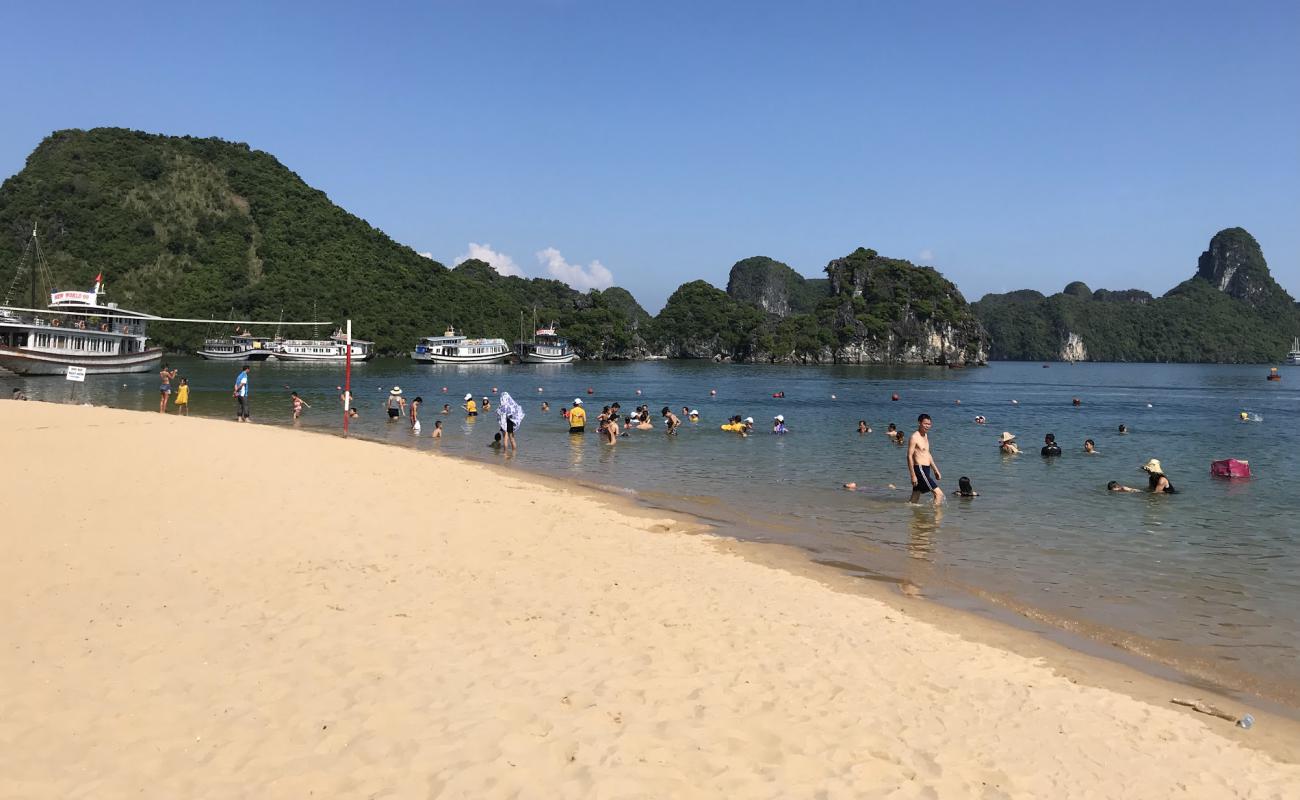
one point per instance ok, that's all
(201, 608)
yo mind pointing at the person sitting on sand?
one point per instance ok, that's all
(1157, 483)
(1007, 444)
(1116, 486)
(863, 427)
(1050, 448)
(1089, 447)
(964, 488)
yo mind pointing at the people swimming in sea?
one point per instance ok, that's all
(863, 427)
(778, 424)
(894, 434)
(735, 425)
(471, 408)
(446, 408)
(671, 420)
(980, 420)
(437, 429)
(1157, 482)
(1007, 444)
(1116, 486)
(577, 417)
(1050, 448)
(964, 488)
(694, 415)
(545, 406)
(1089, 447)
(497, 444)
(1123, 429)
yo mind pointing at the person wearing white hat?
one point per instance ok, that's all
(471, 408)
(396, 403)
(1007, 444)
(749, 425)
(1157, 483)
(577, 417)
(778, 424)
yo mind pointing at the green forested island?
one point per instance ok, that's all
(205, 228)
(189, 227)
(1230, 311)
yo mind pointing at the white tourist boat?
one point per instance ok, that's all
(547, 347)
(453, 348)
(74, 330)
(333, 350)
(238, 348)
(1293, 357)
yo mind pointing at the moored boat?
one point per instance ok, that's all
(238, 348)
(1293, 357)
(454, 348)
(333, 350)
(547, 347)
(74, 330)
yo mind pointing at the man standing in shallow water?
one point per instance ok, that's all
(920, 462)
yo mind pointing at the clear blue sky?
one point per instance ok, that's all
(1011, 145)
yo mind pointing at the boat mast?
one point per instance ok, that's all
(32, 303)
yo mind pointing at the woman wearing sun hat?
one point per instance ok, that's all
(1007, 444)
(1157, 483)
(396, 403)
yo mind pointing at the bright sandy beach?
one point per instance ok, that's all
(195, 608)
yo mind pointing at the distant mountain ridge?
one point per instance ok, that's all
(1230, 311)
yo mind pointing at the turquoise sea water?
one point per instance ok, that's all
(1207, 580)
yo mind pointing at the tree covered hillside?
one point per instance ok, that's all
(1230, 311)
(186, 227)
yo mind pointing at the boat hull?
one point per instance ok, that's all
(537, 358)
(425, 358)
(251, 355)
(319, 359)
(29, 362)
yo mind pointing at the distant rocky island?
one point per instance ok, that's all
(1230, 311)
(190, 227)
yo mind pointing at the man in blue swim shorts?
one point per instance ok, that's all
(921, 468)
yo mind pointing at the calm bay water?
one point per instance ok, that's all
(1207, 580)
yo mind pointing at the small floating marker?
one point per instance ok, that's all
(494, 390)
(444, 390)
(833, 397)
(539, 389)
(958, 402)
(1076, 401)
(638, 392)
(590, 390)
(1015, 402)
(894, 396)
(1148, 405)
(713, 393)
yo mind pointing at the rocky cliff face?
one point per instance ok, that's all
(1073, 349)
(774, 287)
(891, 311)
(1234, 264)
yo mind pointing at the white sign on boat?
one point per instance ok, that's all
(77, 374)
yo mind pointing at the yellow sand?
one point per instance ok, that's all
(194, 608)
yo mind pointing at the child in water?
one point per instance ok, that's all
(863, 427)
(298, 404)
(1116, 486)
(496, 441)
(964, 488)
(437, 429)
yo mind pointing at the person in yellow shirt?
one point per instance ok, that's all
(183, 398)
(577, 418)
(471, 408)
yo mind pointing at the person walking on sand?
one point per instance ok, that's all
(166, 376)
(183, 398)
(241, 395)
(298, 405)
(920, 462)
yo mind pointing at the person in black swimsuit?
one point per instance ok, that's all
(1050, 447)
(1157, 482)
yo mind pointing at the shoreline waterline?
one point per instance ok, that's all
(1095, 655)
(1205, 577)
